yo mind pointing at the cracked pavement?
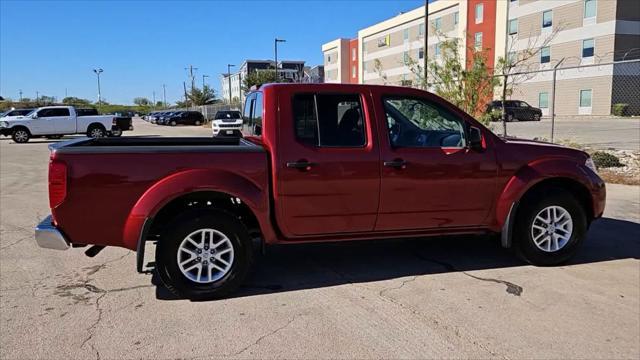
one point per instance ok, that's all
(461, 297)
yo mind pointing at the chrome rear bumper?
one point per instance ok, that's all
(49, 237)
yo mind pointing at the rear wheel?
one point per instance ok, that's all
(173, 123)
(549, 228)
(116, 132)
(536, 117)
(21, 135)
(204, 255)
(96, 131)
(198, 122)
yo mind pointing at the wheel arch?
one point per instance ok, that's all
(226, 190)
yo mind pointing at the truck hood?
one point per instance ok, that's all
(542, 148)
(12, 118)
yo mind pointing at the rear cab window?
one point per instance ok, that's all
(252, 114)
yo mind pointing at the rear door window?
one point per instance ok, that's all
(329, 120)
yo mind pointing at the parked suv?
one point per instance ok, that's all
(183, 118)
(516, 110)
(323, 162)
(227, 123)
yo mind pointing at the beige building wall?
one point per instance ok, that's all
(336, 61)
(382, 47)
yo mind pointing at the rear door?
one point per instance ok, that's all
(430, 178)
(64, 122)
(327, 172)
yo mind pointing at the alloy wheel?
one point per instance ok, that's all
(552, 228)
(21, 136)
(205, 256)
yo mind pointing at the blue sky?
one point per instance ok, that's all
(47, 46)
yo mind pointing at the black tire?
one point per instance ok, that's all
(169, 244)
(198, 123)
(536, 117)
(21, 135)
(173, 123)
(96, 131)
(524, 244)
(117, 132)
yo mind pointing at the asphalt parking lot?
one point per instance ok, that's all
(456, 297)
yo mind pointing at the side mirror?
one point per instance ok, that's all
(34, 116)
(257, 130)
(475, 139)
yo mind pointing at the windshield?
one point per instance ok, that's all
(228, 115)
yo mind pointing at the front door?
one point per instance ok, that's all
(430, 178)
(43, 123)
(328, 178)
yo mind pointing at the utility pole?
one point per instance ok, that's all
(426, 43)
(37, 97)
(65, 92)
(193, 81)
(186, 99)
(20, 92)
(275, 42)
(98, 72)
(229, 66)
(164, 95)
(154, 100)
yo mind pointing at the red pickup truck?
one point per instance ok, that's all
(323, 162)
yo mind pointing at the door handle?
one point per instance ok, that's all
(303, 165)
(396, 163)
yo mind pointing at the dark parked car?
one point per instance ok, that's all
(516, 110)
(184, 118)
(17, 112)
(121, 122)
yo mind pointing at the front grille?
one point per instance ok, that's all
(230, 125)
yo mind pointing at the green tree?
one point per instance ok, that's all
(468, 86)
(258, 78)
(159, 104)
(141, 101)
(74, 101)
(204, 96)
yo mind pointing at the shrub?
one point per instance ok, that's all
(620, 109)
(605, 160)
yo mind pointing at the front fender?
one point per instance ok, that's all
(185, 182)
(533, 173)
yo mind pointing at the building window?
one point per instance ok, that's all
(353, 71)
(589, 8)
(421, 29)
(456, 18)
(353, 54)
(437, 24)
(328, 58)
(587, 48)
(479, 13)
(405, 35)
(512, 57)
(547, 19)
(545, 55)
(384, 41)
(585, 98)
(421, 53)
(478, 41)
(405, 57)
(543, 100)
(513, 26)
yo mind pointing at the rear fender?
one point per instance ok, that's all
(185, 182)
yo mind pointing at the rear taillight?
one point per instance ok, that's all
(57, 183)
(114, 121)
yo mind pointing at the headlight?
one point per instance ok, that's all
(591, 165)
(4, 124)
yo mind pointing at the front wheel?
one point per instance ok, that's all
(20, 135)
(204, 255)
(173, 123)
(536, 117)
(549, 228)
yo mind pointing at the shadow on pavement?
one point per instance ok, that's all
(309, 266)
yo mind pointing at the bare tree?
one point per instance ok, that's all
(516, 67)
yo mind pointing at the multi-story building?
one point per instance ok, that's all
(578, 33)
(288, 70)
(584, 37)
(314, 74)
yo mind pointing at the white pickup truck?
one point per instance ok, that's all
(54, 122)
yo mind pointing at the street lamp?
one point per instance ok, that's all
(229, 66)
(98, 72)
(275, 43)
(203, 77)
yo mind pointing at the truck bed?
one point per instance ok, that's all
(107, 177)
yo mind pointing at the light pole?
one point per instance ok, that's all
(98, 72)
(164, 95)
(229, 66)
(203, 77)
(275, 43)
(20, 92)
